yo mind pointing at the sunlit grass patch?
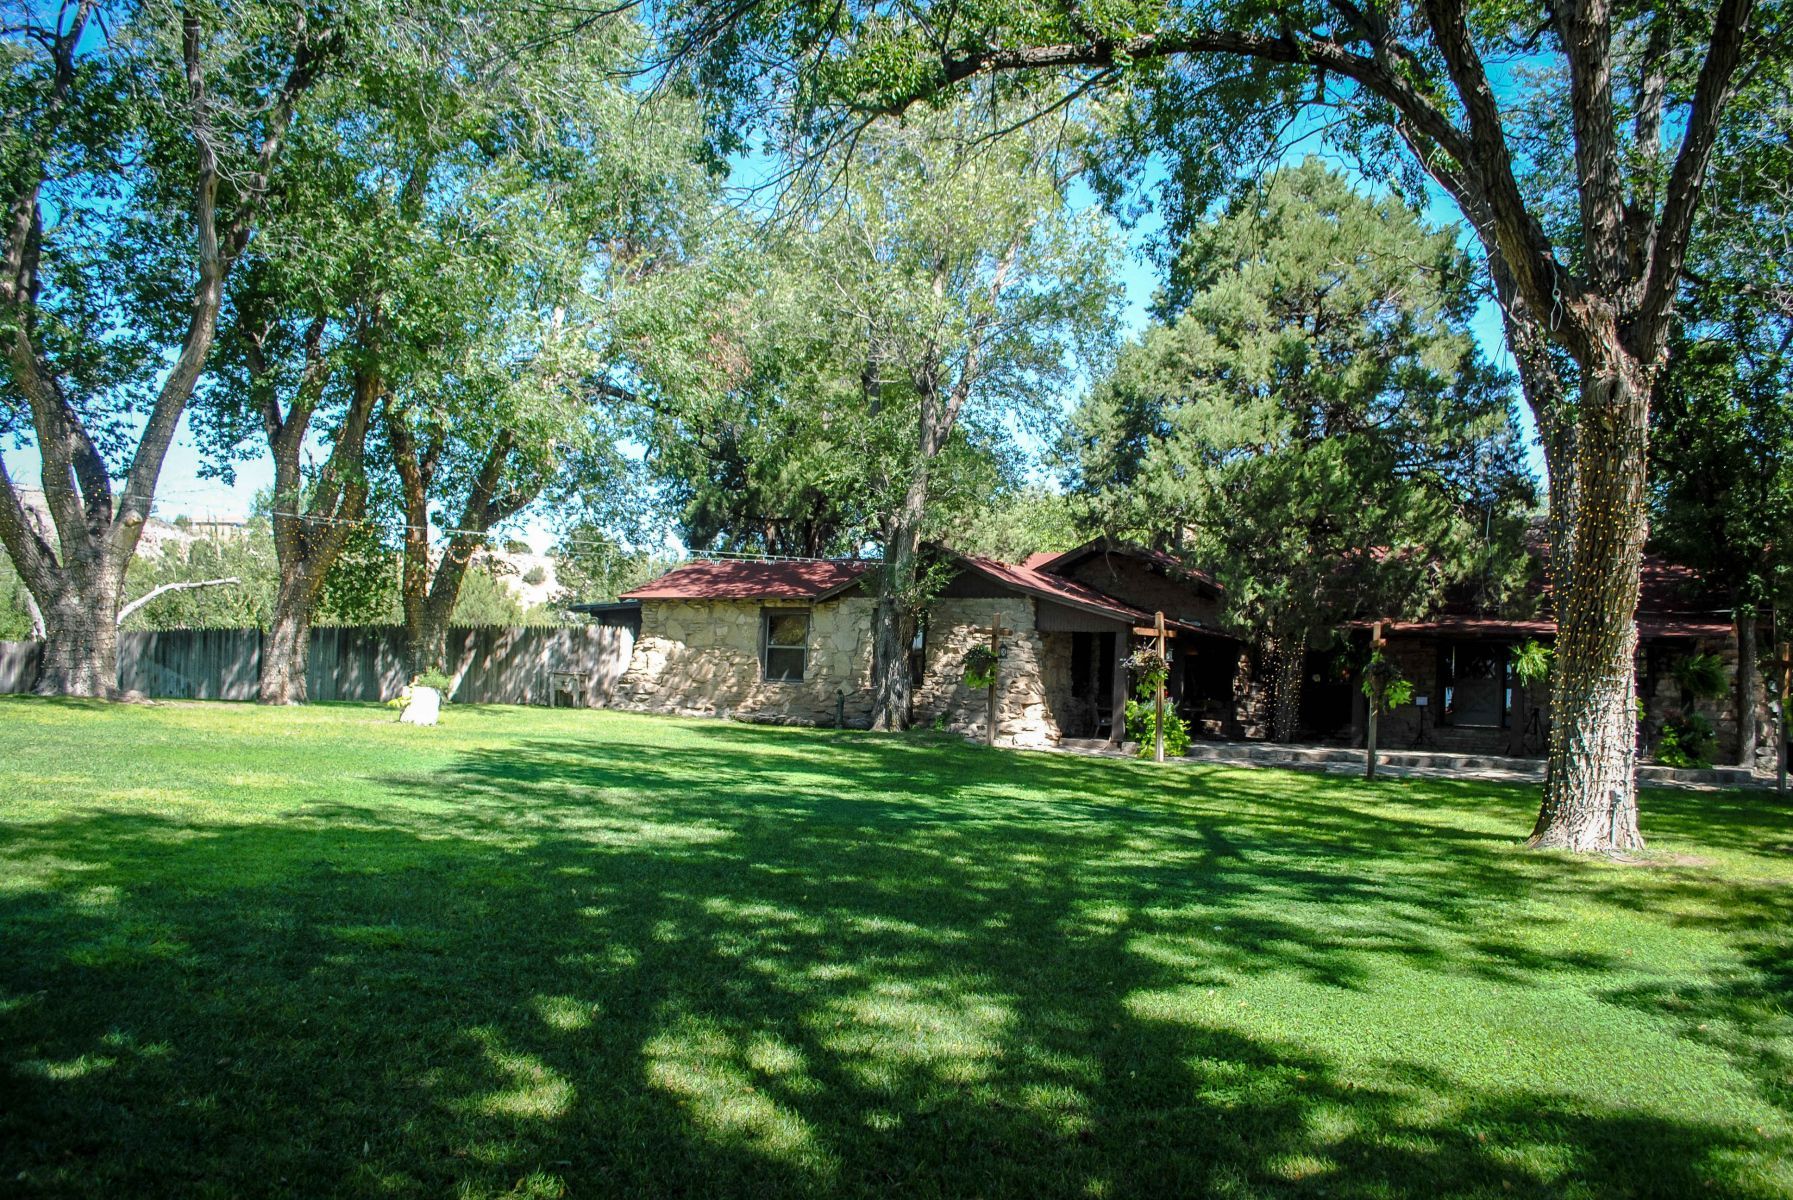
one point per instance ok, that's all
(309, 952)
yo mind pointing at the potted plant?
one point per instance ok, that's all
(421, 701)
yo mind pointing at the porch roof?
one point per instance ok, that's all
(1068, 592)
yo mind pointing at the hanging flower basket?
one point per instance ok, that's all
(1384, 685)
(980, 667)
(1150, 671)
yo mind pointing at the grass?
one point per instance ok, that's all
(271, 952)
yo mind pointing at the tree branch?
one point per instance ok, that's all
(1668, 248)
(165, 588)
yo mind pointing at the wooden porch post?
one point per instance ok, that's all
(1375, 699)
(1158, 725)
(1786, 682)
(1117, 729)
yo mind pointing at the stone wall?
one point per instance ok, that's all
(1034, 667)
(1664, 702)
(702, 658)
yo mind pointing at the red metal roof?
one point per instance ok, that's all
(746, 579)
(1672, 603)
(1062, 590)
(1170, 564)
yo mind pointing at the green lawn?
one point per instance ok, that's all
(312, 952)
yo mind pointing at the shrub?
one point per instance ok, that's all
(535, 576)
(1701, 675)
(1686, 741)
(435, 679)
(1142, 727)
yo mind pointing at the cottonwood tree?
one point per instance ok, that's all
(1314, 424)
(138, 143)
(955, 288)
(754, 407)
(968, 288)
(1474, 97)
(530, 408)
(379, 258)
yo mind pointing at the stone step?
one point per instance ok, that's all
(1342, 759)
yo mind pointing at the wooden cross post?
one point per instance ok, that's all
(1369, 762)
(997, 633)
(1158, 725)
(1157, 630)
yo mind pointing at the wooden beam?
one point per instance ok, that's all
(1117, 721)
(1158, 725)
(1375, 701)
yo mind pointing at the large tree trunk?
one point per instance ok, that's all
(1590, 790)
(429, 596)
(1288, 655)
(80, 655)
(426, 624)
(893, 621)
(286, 651)
(310, 533)
(1746, 685)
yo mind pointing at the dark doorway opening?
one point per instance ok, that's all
(1092, 686)
(1327, 696)
(1210, 667)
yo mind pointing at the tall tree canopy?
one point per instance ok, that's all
(869, 372)
(1573, 137)
(1722, 443)
(1317, 426)
(432, 272)
(138, 145)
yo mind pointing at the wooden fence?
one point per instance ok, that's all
(491, 664)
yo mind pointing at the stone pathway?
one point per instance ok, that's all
(1401, 764)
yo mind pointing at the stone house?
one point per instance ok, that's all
(791, 642)
(1467, 700)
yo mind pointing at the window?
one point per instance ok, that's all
(784, 641)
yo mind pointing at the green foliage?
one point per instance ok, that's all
(893, 332)
(1384, 685)
(485, 600)
(1687, 740)
(1317, 417)
(1018, 522)
(439, 680)
(1721, 442)
(536, 576)
(15, 615)
(1532, 662)
(361, 588)
(592, 565)
(1702, 676)
(1142, 728)
(980, 667)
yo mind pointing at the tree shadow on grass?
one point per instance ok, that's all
(857, 968)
